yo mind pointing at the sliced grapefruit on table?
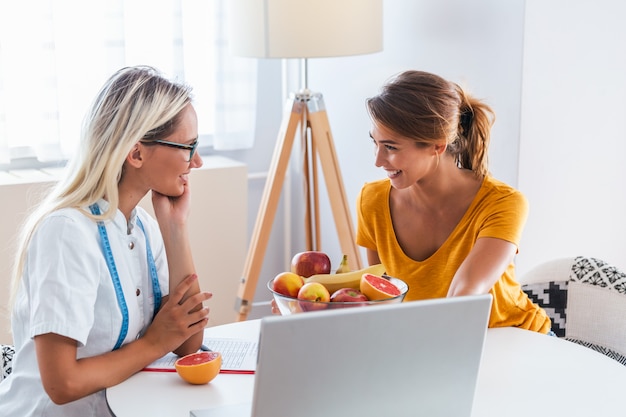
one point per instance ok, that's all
(377, 288)
(199, 368)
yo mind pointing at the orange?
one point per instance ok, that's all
(377, 288)
(199, 368)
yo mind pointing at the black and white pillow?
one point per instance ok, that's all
(552, 297)
(595, 271)
(7, 352)
(589, 277)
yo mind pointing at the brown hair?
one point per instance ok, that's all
(428, 109)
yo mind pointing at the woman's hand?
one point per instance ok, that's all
(66, 378)
(172, 214)
(179, 317)
(172, 210)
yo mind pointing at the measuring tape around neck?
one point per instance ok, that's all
(119, 293)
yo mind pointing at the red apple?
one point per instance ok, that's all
(310, 263)
(348, 295)
(314, 296)
(287, 283)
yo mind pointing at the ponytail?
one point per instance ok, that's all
(470, 148)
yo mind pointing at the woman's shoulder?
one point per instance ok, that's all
(376, 186)
(497, 187)
(65, 223)
(373, 191)
(67, 214)
(496, 193)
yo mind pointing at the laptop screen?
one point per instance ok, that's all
(408, 359)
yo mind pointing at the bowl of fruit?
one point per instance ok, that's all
(306, 288)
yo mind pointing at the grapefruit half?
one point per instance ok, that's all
(377, 288)
(200, 367)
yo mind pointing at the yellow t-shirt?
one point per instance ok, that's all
(498, 211)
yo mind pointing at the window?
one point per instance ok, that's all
(56, 54)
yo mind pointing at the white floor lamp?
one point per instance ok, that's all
(302, 29)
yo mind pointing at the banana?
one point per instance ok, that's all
(343, 266)
(333, 282)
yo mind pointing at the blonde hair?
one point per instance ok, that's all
(429, 109)
(135, 103)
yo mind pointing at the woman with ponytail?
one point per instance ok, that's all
(102, 289)
(439, 220)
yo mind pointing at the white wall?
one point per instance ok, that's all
(573, 132)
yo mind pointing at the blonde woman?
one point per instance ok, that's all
(439, 220)
(101, 289)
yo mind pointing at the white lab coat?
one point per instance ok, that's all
(67, 289)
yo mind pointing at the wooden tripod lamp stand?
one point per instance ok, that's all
(302, 29)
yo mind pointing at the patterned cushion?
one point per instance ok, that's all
(7, 352)
(553, 296)
(597, 272)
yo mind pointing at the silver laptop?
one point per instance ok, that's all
(417, 358)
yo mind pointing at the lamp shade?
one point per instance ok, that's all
(305, 28)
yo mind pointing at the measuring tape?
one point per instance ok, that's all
(156, 289)
(119, 293)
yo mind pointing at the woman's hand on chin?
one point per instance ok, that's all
(174, 209)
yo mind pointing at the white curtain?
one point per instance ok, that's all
(56, 54)
(236, 91)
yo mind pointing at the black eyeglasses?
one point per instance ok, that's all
(191, 148)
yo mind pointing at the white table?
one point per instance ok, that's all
(166, 394)
(522, 373)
